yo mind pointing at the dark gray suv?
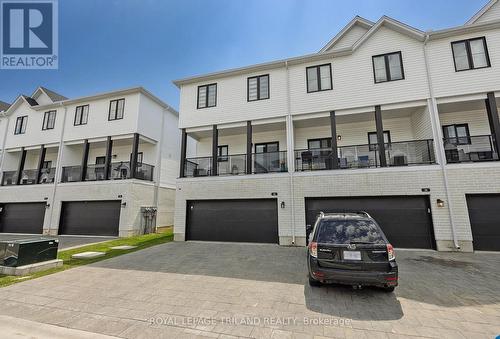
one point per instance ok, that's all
(350, 248)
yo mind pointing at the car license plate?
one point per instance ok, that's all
(352, 255)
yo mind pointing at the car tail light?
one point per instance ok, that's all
(313, 249)
(390, 252)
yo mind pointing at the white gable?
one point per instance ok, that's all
(354, 34)
(491, 11)
(41, 97)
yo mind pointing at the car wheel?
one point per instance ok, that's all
(314, 282)
(389, 289)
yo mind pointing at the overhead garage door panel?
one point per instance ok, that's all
(90, 218)
(405, 220)
(484, 215)
(22, 217)
(252, 220)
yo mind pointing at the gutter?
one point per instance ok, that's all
(289, 127)
(437, 132)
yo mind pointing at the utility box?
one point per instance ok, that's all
(15, 253)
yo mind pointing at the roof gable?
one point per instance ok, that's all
(45, 96)
(352, 32)
(4, 106)
(490, 11)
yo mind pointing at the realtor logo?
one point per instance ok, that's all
(29, 38)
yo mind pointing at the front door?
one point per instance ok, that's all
(267, 157)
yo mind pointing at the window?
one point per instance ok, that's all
(81, 115)
(319, 78)
(373, 142)
(100, 160)
(222, 153)
(47, 164)
(116, 109)
(21, 123)
(319, 143)
(258, 88)
(457, 134)
(207, 96)
(470, 54)
(388, 67)
(140, 156)
(49, 120)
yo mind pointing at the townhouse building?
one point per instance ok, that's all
(103, 164)
(385, 118)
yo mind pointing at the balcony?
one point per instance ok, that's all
(29, 177)
(470, 149)
(269, 162)
(9, 178)
(118, 171)
(407, 153)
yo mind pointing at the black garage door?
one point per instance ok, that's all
(484, 215)
(90, 218)
(405, 220)
(22, 217)
(254, 220)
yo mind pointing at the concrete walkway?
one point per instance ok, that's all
(183, 290)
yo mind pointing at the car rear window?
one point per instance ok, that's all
(349, 231)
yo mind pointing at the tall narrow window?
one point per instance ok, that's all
(258, 88)
(470, 54)
(49, 120)
(222, 153)
(207, 96)
(319, 78)
(388, 67)
(116, 108)
(21, 123)
(81, 115)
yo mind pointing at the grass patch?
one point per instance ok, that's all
(142, 241)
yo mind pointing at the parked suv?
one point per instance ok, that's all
(350, 248)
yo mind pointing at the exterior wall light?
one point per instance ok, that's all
(282, 204)
(339, 137)
(439, 203)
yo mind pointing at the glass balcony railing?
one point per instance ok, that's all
(118, 171)
(47, 175)
(71, 174)
(232, 164)
(198, 167)
(270, 162)
(408, 153)
(9, 178)
(470, 149)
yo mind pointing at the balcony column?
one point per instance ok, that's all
(494, 120)
(41, 160)
(249, 148)
(133, 158)
(85, 158)
(20, 168)
(183, 153)
(215, 144)
(380, 136)
(333, 128)
(107, 161)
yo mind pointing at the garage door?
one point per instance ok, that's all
(484, 215)
(90, 218)
(405, 220)
(22, 217)
(254, 220)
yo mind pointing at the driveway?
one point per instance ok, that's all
(190, 289)
(65, 241)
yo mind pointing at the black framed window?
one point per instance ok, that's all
(116, 108)
(258, 88)
(140, 156)
(100, 160)
(49, 120)
(388, 67)
(47, 164)
(21, 123)
(222, 153)
(319, 143)
(319, 78)
(373, 142)
(470, 54)
(81, 115)
(457, 134)
(207, 96)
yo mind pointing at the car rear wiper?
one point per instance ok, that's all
(362, 242)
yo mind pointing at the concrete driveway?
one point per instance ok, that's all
(65, 241)
(179, 290)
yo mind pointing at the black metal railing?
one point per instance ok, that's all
(234, 164)
(71, 174)
(47, 175)
(470, 149)
(409, 153)
(269, 162)
(9, 178)
(198, 167)
(118, 171)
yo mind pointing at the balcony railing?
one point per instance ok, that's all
(9, 178)
(118, 171)
(470, 149)
(47, 175)
(416, 152)
(269, 162)
(29, 177)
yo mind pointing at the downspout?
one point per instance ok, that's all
(437, 133)
(159, 158)
(291, 169)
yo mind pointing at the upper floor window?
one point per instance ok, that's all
(207, 96)
(319, 78)
(258, 87)
(470, 54)
(49, 120)
(373, 140)
(21, 123)
(388, 67)
(81, 115)
(222, 153)
(457, 134)
(116, 109)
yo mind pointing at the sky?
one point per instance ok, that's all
(108, 45)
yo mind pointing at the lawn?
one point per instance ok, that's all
(142, 241)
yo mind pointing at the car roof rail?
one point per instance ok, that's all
(321, 214)
(364, 213)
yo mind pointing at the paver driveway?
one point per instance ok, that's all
(217, 290)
